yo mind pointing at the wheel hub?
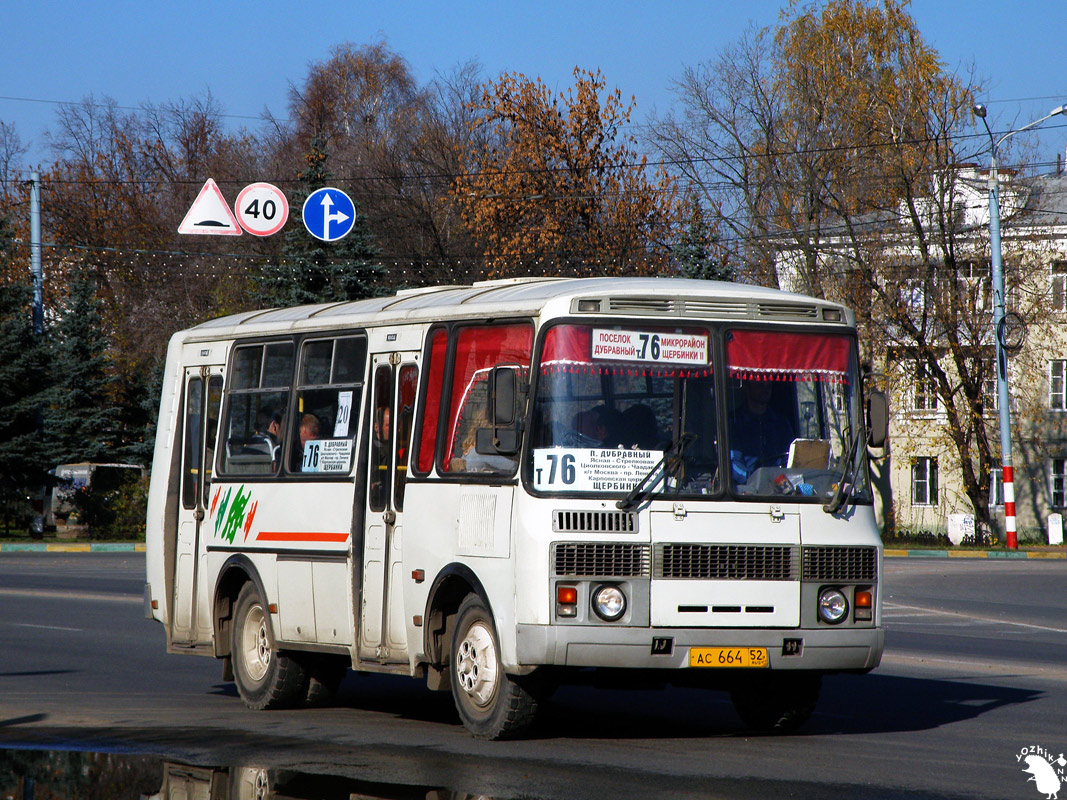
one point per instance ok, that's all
(255, 643)
(476, 664)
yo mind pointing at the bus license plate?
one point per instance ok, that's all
(728, 657)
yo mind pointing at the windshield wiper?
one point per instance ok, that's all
(844, 486)
(668, 465)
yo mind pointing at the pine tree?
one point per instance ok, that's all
(82, 419)
(313, 271)
(139, 411)
(693, 251)
(23, 377)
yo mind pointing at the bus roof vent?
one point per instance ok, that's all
(594, 521)
(711, 307)
(788, 311)
(680, 307)
(642, 305)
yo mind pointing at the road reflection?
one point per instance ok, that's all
(72, 775)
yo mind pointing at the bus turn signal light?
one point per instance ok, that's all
(567, 601)
(863, 603)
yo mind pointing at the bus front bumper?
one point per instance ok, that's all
(644, 648)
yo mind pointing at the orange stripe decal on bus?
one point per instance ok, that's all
(300, 536)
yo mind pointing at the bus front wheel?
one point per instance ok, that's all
(265, 678)
(491, 703)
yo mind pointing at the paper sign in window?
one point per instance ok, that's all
(571, 469)
(326, 455)
(344, 414)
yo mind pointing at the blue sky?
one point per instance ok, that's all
(247, 54)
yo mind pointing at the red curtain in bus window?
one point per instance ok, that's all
(568, 348)
(435, 380)
(478, 350)
(774, 355)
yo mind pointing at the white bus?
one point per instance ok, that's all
(500, 487)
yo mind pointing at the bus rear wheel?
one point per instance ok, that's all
(777, 703)
(491, 703)
(265, 678)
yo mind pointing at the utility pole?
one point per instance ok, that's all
(35, 253)
(1003, 395)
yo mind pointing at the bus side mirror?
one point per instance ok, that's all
(503, 395)
(877, 419)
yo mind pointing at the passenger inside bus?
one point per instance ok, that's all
(641, 430)
(309, 430)
(598, 426)
(262, 446)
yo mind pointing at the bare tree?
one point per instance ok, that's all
(12, 151)
(834, 149)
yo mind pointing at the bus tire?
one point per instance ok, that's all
(491, 703)
(265, 677)
(777, 703)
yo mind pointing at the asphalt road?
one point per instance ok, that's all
(974, 672)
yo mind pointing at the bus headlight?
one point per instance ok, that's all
(833, 606)
(609, 602)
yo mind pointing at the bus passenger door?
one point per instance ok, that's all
(203, 395)
(383, 627)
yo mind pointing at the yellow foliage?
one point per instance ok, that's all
(554, 191)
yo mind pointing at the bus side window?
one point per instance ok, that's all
(430, 410)
(408, 382)
(328, 392)
(193, 404)
(257, 399)
(381, 439)
(478, 350)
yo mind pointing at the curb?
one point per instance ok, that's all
(100, 547)
(995, 555)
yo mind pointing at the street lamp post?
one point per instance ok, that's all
(1010, 535)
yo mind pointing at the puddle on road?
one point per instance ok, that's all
(72, 775)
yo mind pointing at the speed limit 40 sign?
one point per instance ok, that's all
(261, 209)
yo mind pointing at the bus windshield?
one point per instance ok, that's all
(612, 401)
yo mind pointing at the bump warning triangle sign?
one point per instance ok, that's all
(210, 214)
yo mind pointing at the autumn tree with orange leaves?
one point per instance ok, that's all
(557, 188)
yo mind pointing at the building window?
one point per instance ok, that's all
(996, 486)
(914, 295)
(975, 281)
(924, 481)
(925, 391)
(1057, 373)
(1058, 481)
(990, 393)
(1059, 285)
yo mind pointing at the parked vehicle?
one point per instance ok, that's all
(70, 479)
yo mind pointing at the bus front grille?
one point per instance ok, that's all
(600, 559)
(840, 564)
(726, 562)
(594, 521)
